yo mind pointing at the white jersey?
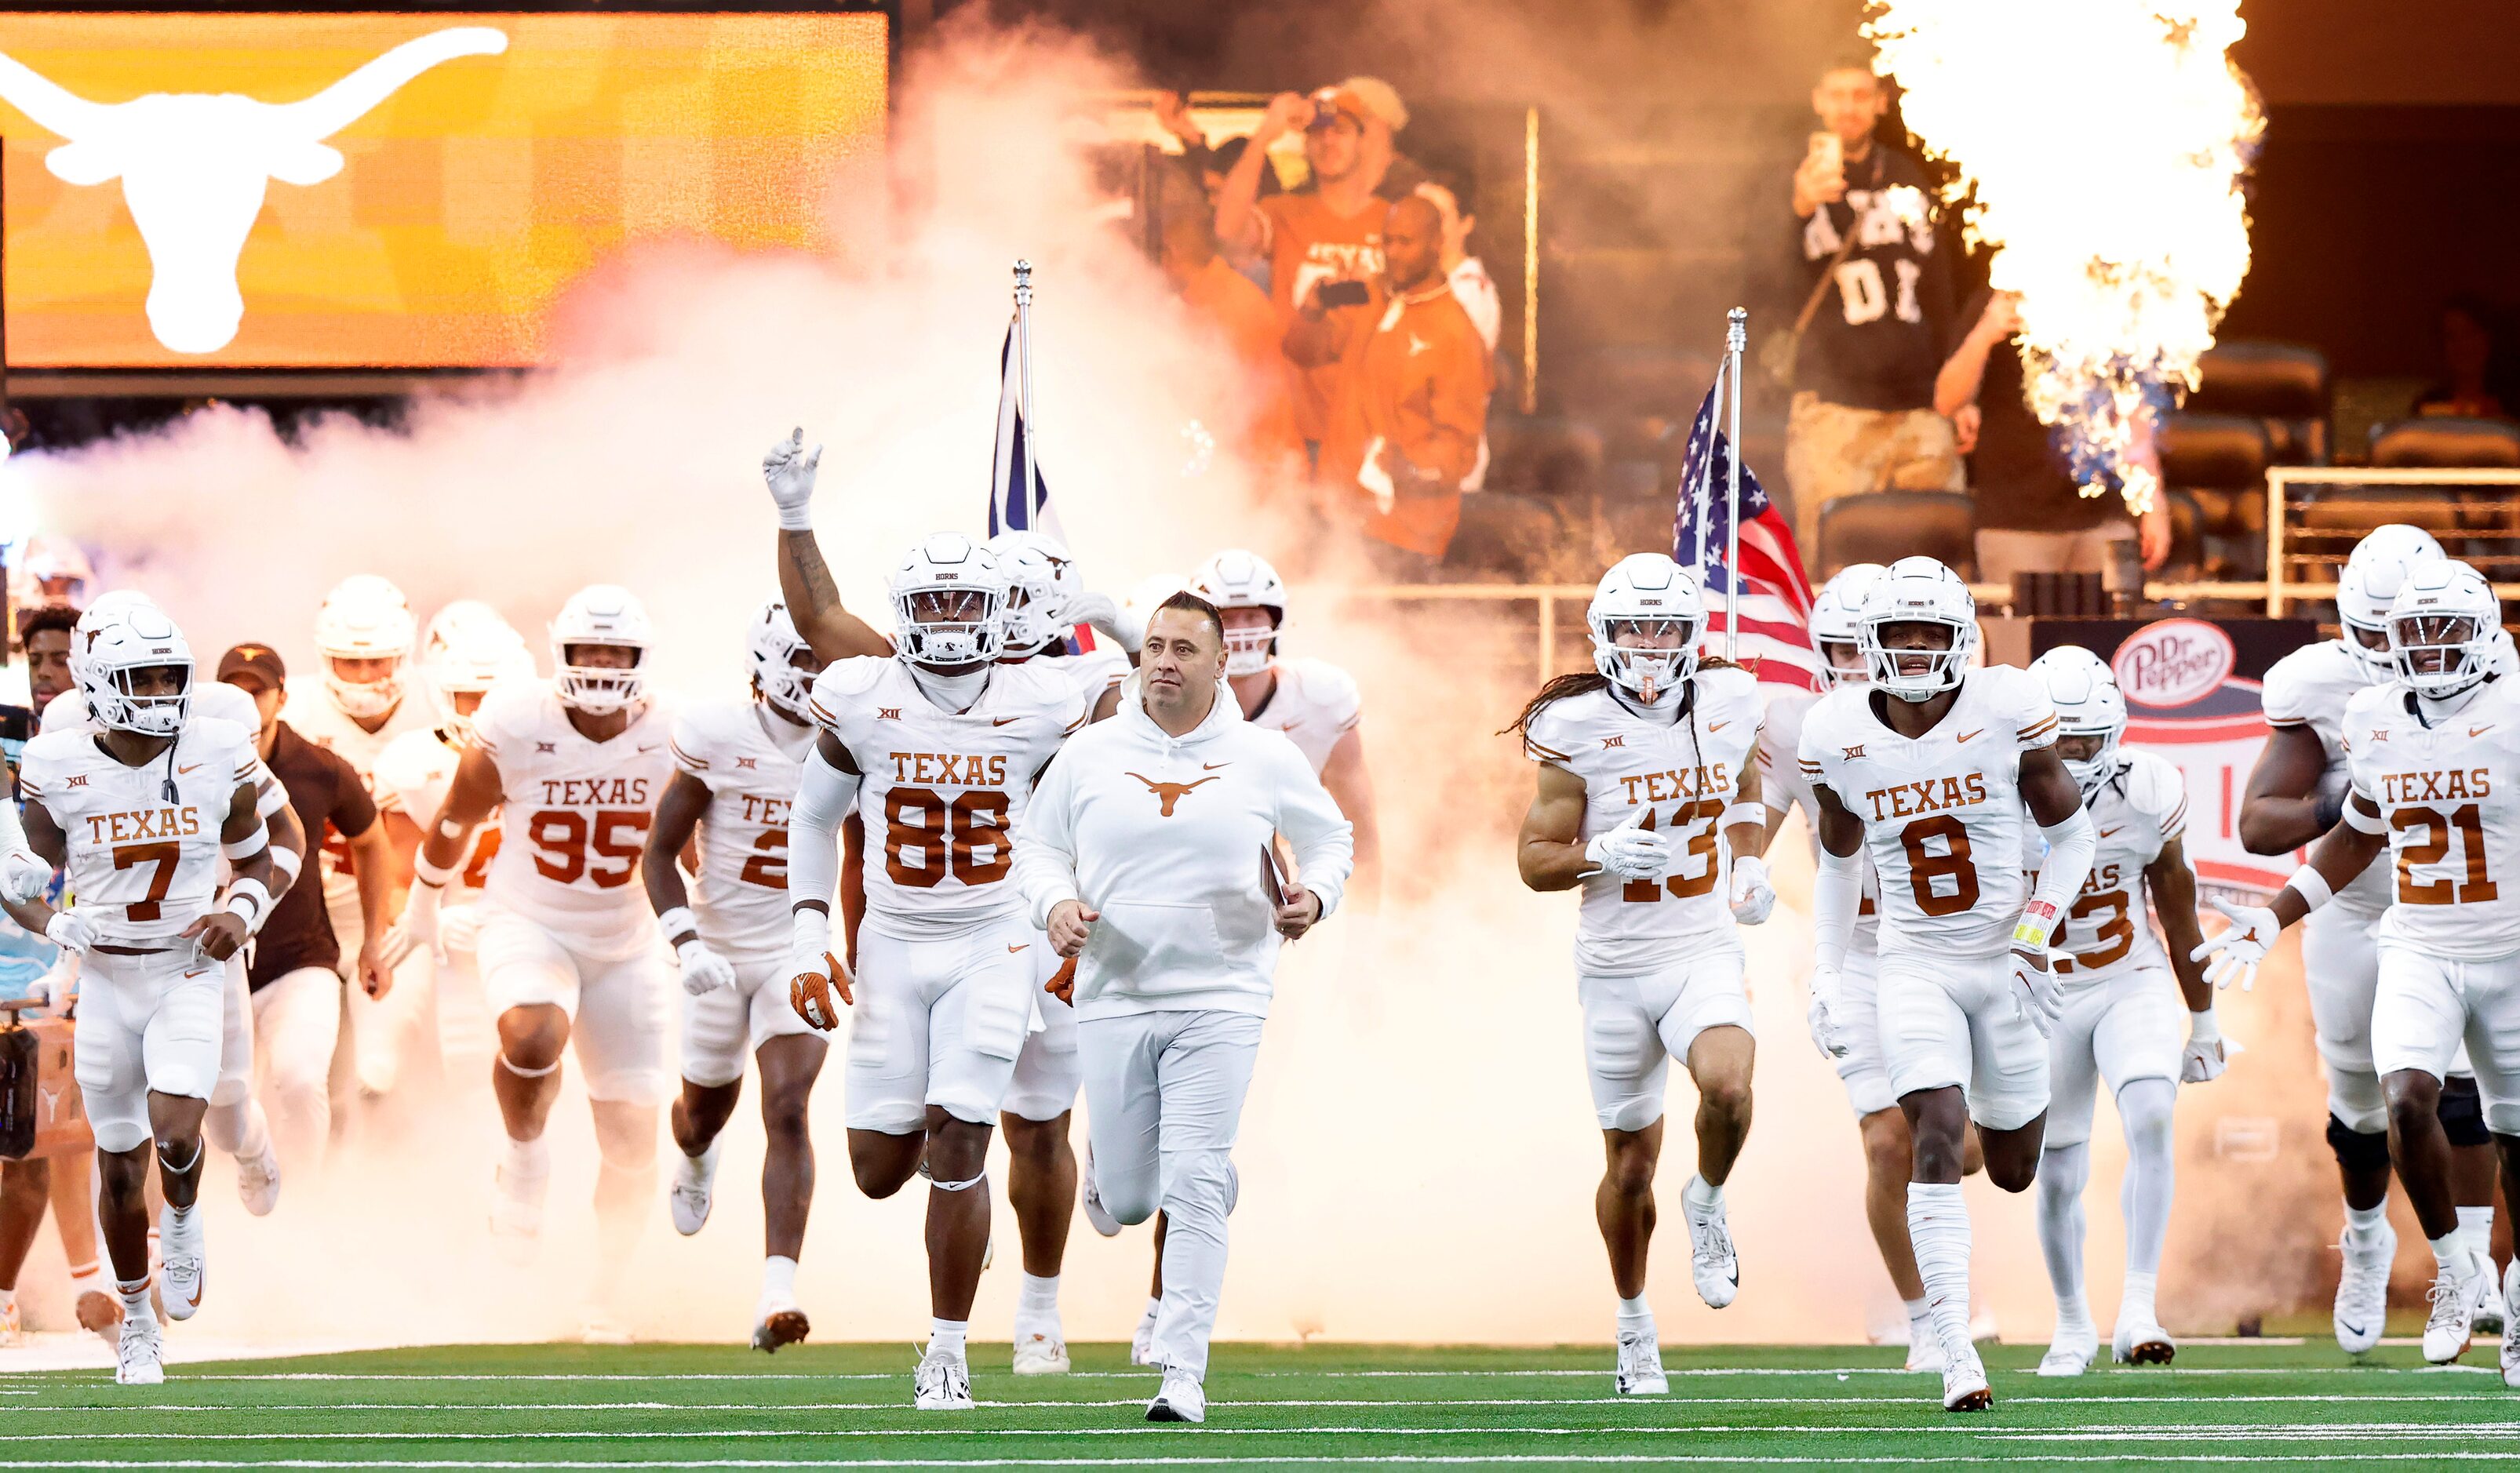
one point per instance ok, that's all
(412, 774)
(2141, 807)
(142, 866)
(311, 713)
(2310, 688)
(942, 794)
(1094, 672)
(751, 762)
(1314, 703)
(1782, 785)
(1683, 774)
(580, 810)
(1942, 817)
(2450, 794)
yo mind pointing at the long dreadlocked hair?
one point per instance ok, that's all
(1581, 682)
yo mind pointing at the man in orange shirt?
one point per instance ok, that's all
(1404, 432)
(1331, 233)
(1261, 419)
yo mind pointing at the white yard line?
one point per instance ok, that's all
(1839, 1372)
(2393, 1431)
(1727, 1459)
(476, 1407)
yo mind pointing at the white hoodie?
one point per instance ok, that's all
(1163, 836)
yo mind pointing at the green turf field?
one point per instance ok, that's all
(847, 1407)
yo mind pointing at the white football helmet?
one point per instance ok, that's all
(1040, 577)
(2444, 610)
(601, 613)
(1832, 622)
(1918, 591)
(466, 649)
(365, 617)
(115, 651)
(2089, 704)
(773, 645)
(949, 599)
(110, 607)
(1649, 594)
(2368, 582)
(1236, 579)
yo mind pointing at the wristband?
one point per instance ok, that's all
(1754, 814)
(798, 518)
(2202, 1029)
(2310, 885)
(435, 877)
(2364, 823)
(253, 892)
(2038, 919)
(247, 847)
(287, 863)
(679, 924)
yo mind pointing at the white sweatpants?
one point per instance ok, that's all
(1163, 1101)
(298, 1023)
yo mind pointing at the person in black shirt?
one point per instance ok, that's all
(296, 969)
(2030, 516)
(1880, 294)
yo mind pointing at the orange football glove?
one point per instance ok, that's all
(1062, 983)
(810, 994)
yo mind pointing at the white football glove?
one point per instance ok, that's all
(71, 932)
(2204, 1057)
(2232, 954)
(23, 875)
(1825, 1030)
(789, 468)
(2037, 992)
(415, 927)
(58, 987)
(1631, 851)
(1752, 896)
(1096, 609)
(705, 971)
(817, 981)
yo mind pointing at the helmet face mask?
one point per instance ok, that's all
(784, 665)
(366, 621)
(601, 616)
(2090, 713)
(137, 673)
(467, 649)
(1833, 625)
(1646, 619)
(1917, 629)
(1041, 578)
(1236, 579)
(2376, 569)
(2443, 627)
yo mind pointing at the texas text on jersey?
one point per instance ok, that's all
(2445, 792)
(580, 810)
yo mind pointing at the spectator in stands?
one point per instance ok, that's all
(1239, 313)
(1404, 433)
(2031, 517)
(1329, 233)
(2476, 364)
(1878, 294)
(1472, 286)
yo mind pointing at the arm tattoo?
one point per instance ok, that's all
(812, 573)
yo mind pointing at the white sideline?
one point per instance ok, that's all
(2399, 1431)
(900, 1406)
(1725, 1459)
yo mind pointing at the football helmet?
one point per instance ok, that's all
(111, 654)
(1040, 577)
(1832, 622)
(2368, 582)
(1236, 579)
(774, 646)
(2089, 704)
(947, 602)
(601, 613)
(365, 617)
(466, 649)
(1918, 591)
(2444, 610)
(1648, 593)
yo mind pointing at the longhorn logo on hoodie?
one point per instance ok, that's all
(1169, 793)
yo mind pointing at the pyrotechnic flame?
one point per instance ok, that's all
(2100, 146)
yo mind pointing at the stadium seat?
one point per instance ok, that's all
(2220, 461)
(2279, 383)
(1888, 525)
(2437, 444)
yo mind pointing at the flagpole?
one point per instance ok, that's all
(1736, 337)
(1706, 480)
(1023, 348)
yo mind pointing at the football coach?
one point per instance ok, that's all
(1148, 853)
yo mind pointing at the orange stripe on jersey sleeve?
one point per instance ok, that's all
(2177, 819)
(684, 757)
(1078, 724)
(1536, 753)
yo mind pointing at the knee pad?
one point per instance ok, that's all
(962, 1185)
(195, 1159)
(521, 1072)
(2357, 1150)
(2358, 1101)
(2463, 1113)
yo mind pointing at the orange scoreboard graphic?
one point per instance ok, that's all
(397, 191)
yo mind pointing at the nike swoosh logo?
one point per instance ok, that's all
(2351, 1329)
(1717, 726)
(196, 767)
(1965, 736)
(2480, 730)
(2105, 833)
(652, 746)
(1209, 767)
(1027, 946)
(1004, 721)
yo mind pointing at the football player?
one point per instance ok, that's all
(2296, 793)
(140, 812)
(364, 633)
(1929, 768)
(736, 768)
(2434, 763)
(2121, 1021)
(1649, 801)
(567, 942)
(937, 749)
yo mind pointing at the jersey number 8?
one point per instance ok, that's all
(1954, 863)
(926, 839)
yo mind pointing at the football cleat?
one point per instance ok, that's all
(2362, 1289)
(1096, 1214)
(778, 1327)
(1641, 1372)
(2490, 1313)
(1712, 1263)
(688, 1197)
(1925, 1353)
(2141, 1340)
(516, 1213)
(1182, 1399)
(1142, 1343)
(2511, 1325)
(1964, 1387)
(258, 1180)
(139, 1358)
(179, 1236)
(1039, 1354)
(2071, 1351)
(2451, 1325)
(941, 1383)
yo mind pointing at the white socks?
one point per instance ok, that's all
(135, 1296)
(947, 1335)
(1938, 1227)
(1636, 1317)
(1920, 1320)
(528, 1160)
(2476, 1226)
(1702, 1193)
(2361, 1222)
(698, 1171)
(2141, 1290)
(778, 1281)
(2451, 1250)
(1037, 1306)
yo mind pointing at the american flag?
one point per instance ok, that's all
(1775, 640)
(1018, 493)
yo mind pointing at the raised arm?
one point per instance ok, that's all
(1238, 200)
(1962, 374)
(806, 581)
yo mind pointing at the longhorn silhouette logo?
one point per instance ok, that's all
(1169, 793)
(195, 166)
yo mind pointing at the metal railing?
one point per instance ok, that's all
(2477, 522)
